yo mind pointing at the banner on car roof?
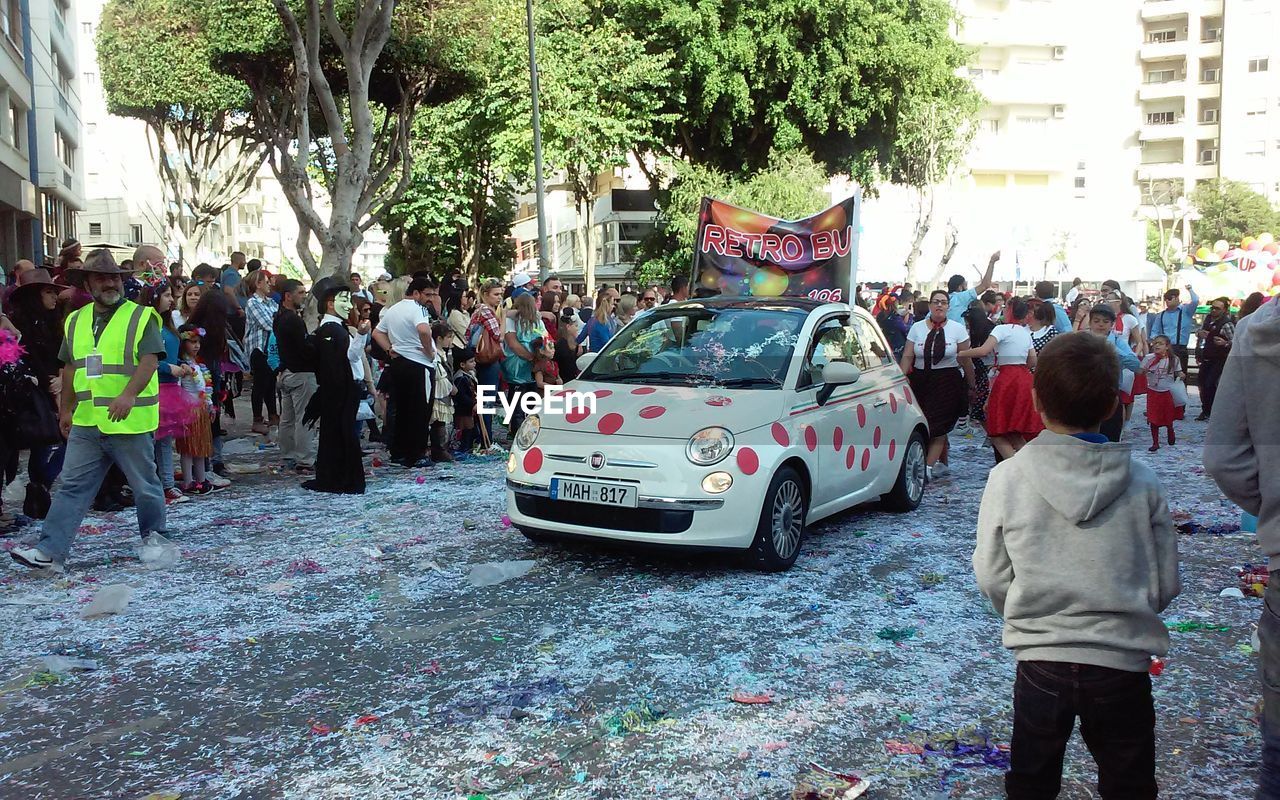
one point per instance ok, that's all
(741, 252)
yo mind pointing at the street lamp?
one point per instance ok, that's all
(539, 188)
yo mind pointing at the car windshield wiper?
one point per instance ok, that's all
(655, 377)
(739, 383)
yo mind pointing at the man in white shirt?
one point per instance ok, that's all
(404, 332)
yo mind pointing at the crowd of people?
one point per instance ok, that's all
(331, 373)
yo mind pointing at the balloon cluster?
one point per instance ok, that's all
(1252, 266)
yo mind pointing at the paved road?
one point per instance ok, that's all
(246, 672)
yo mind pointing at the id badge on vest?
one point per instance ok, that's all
(93, 365)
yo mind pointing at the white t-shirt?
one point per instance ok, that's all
(954, 332)
(1013, 342)
(402, 324)
(1129, 322)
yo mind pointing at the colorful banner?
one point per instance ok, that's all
(741, 252)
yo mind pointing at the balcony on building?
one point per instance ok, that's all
(1163, 125)
(1158, 10)
(1163, 85)
(1164, 41)
(1032, 25)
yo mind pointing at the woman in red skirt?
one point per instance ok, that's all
(1162, 370)
(1011, 414)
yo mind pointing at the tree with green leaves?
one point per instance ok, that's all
(1231, 210)
(334, 88)
(791, 187)
(755, 78)
(156, 67)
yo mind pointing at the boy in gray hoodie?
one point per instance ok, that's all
(1242, 453)
(1077, 551)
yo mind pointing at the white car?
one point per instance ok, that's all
(726, 423)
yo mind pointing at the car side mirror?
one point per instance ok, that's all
(585, 360)
(835, 375)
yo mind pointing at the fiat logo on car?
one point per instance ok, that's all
(596, 461)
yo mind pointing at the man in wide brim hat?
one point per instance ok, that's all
(101, 261)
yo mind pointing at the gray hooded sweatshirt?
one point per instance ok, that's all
(1077, 551)
(1242, 448)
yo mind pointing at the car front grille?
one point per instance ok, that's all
(634, 520)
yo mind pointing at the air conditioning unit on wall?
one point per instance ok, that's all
(1059, 53)
(1059, 112)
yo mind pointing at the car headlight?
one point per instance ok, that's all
(709, 446)
(528, 433)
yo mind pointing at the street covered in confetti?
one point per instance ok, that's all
(410, 644)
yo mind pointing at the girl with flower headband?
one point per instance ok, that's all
(177, 406)
(196, 443)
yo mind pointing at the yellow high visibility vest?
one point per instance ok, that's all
(118, 347)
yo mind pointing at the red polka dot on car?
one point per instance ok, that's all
(850, 457)
(748, 461)
(862, 416)
(875, 438)
(906, 392)
(780, 434)
(893, 447)
(577, 414)
(644, 390)
(609, 424)
(601, 393)
(652, 412)
(533, 460)
(810, 438)
(719, 402)
(837, 438)
(893, 403)
(866, 459)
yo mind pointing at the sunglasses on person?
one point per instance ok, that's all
(1218, 307)
(648, 299)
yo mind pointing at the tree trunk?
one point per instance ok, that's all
(583, 235)
(924, 220)
(952, 241)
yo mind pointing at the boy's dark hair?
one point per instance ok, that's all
(1045, 313)
(439, 329)
(954, 283)
(1076, 378)
(991, 297)
(462, 356)
(1103, 310)
(1045, 290)
(1018, 307)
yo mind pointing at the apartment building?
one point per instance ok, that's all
(1210, 96)
(1048, 180)
(41, 137)
(622, 215)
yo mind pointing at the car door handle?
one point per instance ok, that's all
(880, 403)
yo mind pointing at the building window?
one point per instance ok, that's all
(1163, 37)
(1255, 149)
(1080, 166)
(991, 126)
(135, 234)
(1259, 64)
(65, 149)
(18, 121)
(86, 29)
(95, 228)
(91, 79)
(11, 22)
(1034, 123)
(52, 218)
(1080, 183)
(1257, 107)
(1162, 118)
(1162, 76)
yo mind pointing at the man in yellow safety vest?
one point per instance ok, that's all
(110, 411)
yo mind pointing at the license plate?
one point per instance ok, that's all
(604, 494)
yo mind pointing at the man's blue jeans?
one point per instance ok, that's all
(1269, 671)
(89, 454)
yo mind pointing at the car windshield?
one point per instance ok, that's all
(695, 345)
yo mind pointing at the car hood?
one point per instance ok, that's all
(666, 412)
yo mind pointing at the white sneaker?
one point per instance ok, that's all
(34, 558)
(217, 480)
(941, 470)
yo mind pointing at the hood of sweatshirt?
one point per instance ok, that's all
(1078, 479)
(1264, 330)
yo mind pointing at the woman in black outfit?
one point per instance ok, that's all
(36, 315)
(567, 347)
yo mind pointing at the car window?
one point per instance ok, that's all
(875, 353)
(833, 341)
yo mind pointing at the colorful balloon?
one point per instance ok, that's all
(1246, 241)
(1221, 246)
(1266, 239)
(1254, 245)
(1203, 254)
(1273, 248)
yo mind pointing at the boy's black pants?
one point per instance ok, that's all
(1117, 722)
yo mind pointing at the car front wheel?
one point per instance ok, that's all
(781, 527)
